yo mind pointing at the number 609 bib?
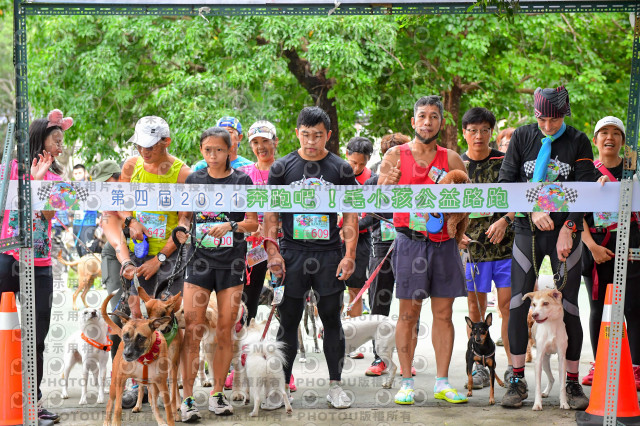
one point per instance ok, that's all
(311, 227)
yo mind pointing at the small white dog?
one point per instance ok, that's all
(551, 338)
(360, 330)
(91, 347)
(264, 367)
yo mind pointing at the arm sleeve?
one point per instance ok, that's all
(511, 164)
(585, 171)
(365, 222)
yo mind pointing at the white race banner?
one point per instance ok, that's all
(478, 198)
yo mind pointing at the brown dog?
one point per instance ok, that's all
(89, 268)
(173, 336)
(142, 355)
(456, 222)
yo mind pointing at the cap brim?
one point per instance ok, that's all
(264, 135)
(144, 140)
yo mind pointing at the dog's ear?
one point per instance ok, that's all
(469, 322)
(143, 294)
(124, 317)
(556, 295)
(528, 296)
(489, 320)
(156, 323)
(175, 302)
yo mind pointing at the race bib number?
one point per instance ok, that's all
(417, 222)
(310, 227)
(387, 230)
(479, 215)
(210, 241)
(435, 174)
(256, 255)
(156, 223)
(604, 219)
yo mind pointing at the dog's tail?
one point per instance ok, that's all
(115, 329)
(268, 349)
(73, 264)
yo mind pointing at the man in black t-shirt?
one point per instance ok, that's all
(547, 151)
(310, 254)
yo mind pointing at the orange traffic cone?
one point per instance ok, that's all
(628, 410)
(10, 362)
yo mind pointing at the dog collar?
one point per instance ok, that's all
(97, 345)
(484, 357)
(153, 353)
(172, 333)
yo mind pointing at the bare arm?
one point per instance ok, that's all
(390, 168)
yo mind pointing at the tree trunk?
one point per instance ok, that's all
(317, 85)
(452, 100)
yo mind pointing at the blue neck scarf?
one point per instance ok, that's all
(542, 162)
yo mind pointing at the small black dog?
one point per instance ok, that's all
(481, 349)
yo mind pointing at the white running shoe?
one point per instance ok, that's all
(189, 411)
(219, 404)
(337, 398)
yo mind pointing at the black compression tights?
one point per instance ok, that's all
(291, 310)
(523, 279)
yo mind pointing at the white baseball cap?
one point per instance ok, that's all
(149, 131)
(609, 121)
(262, 128)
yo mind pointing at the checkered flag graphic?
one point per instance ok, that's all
(563, 168)
(82, 193)
(532, 193)
(571, 194)
(44, 190)
(529, 167)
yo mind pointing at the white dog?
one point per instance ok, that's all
(551, 338)
(360, 330)
(264, 367)
(91, 347)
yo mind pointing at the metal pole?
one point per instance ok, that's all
(27, 294)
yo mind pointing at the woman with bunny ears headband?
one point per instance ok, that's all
(46, 141)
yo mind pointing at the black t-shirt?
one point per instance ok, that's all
(294, 170)
(231, 257)
(571, 160)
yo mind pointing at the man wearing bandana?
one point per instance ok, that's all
(547, 151)
(425, 264)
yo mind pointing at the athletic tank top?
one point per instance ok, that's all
(412, 174)
(160, 224)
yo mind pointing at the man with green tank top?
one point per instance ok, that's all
(154, 165)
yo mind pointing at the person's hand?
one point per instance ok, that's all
(393, 176)
(601, 254)
(346, 268)
(219, 230)
(564, 244)
(40, 165)
(129, 271)
(149, 268)
(464, 242)
(275, 263)
(182, 236)
(602, 179)
(342, 234)
(496, 231)
(258, 233)
(137, 231)
(542, 221)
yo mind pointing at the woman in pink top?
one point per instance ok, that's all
(45, 139)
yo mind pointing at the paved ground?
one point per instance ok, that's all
(372, 404)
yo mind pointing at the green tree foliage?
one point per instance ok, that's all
(109, 71)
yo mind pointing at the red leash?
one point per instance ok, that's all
(274, 303)
(367, 284)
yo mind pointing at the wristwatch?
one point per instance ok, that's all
(508, 220)
(571, 225)
(128, 220)
(161, 257)
(234, 226)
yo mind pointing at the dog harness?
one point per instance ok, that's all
(106, 347)
(148, 358)
(484, 357)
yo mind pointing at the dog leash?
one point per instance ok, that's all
(474, 268)
(367, 283)
(277, 293)
(556, 275)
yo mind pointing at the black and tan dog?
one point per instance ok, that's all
(482, 350)
(142, 355)
(173, 335)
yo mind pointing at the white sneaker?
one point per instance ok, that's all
(219, 404)
(189, 411)
(337, 398)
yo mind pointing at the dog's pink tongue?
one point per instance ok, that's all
(540, 321)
